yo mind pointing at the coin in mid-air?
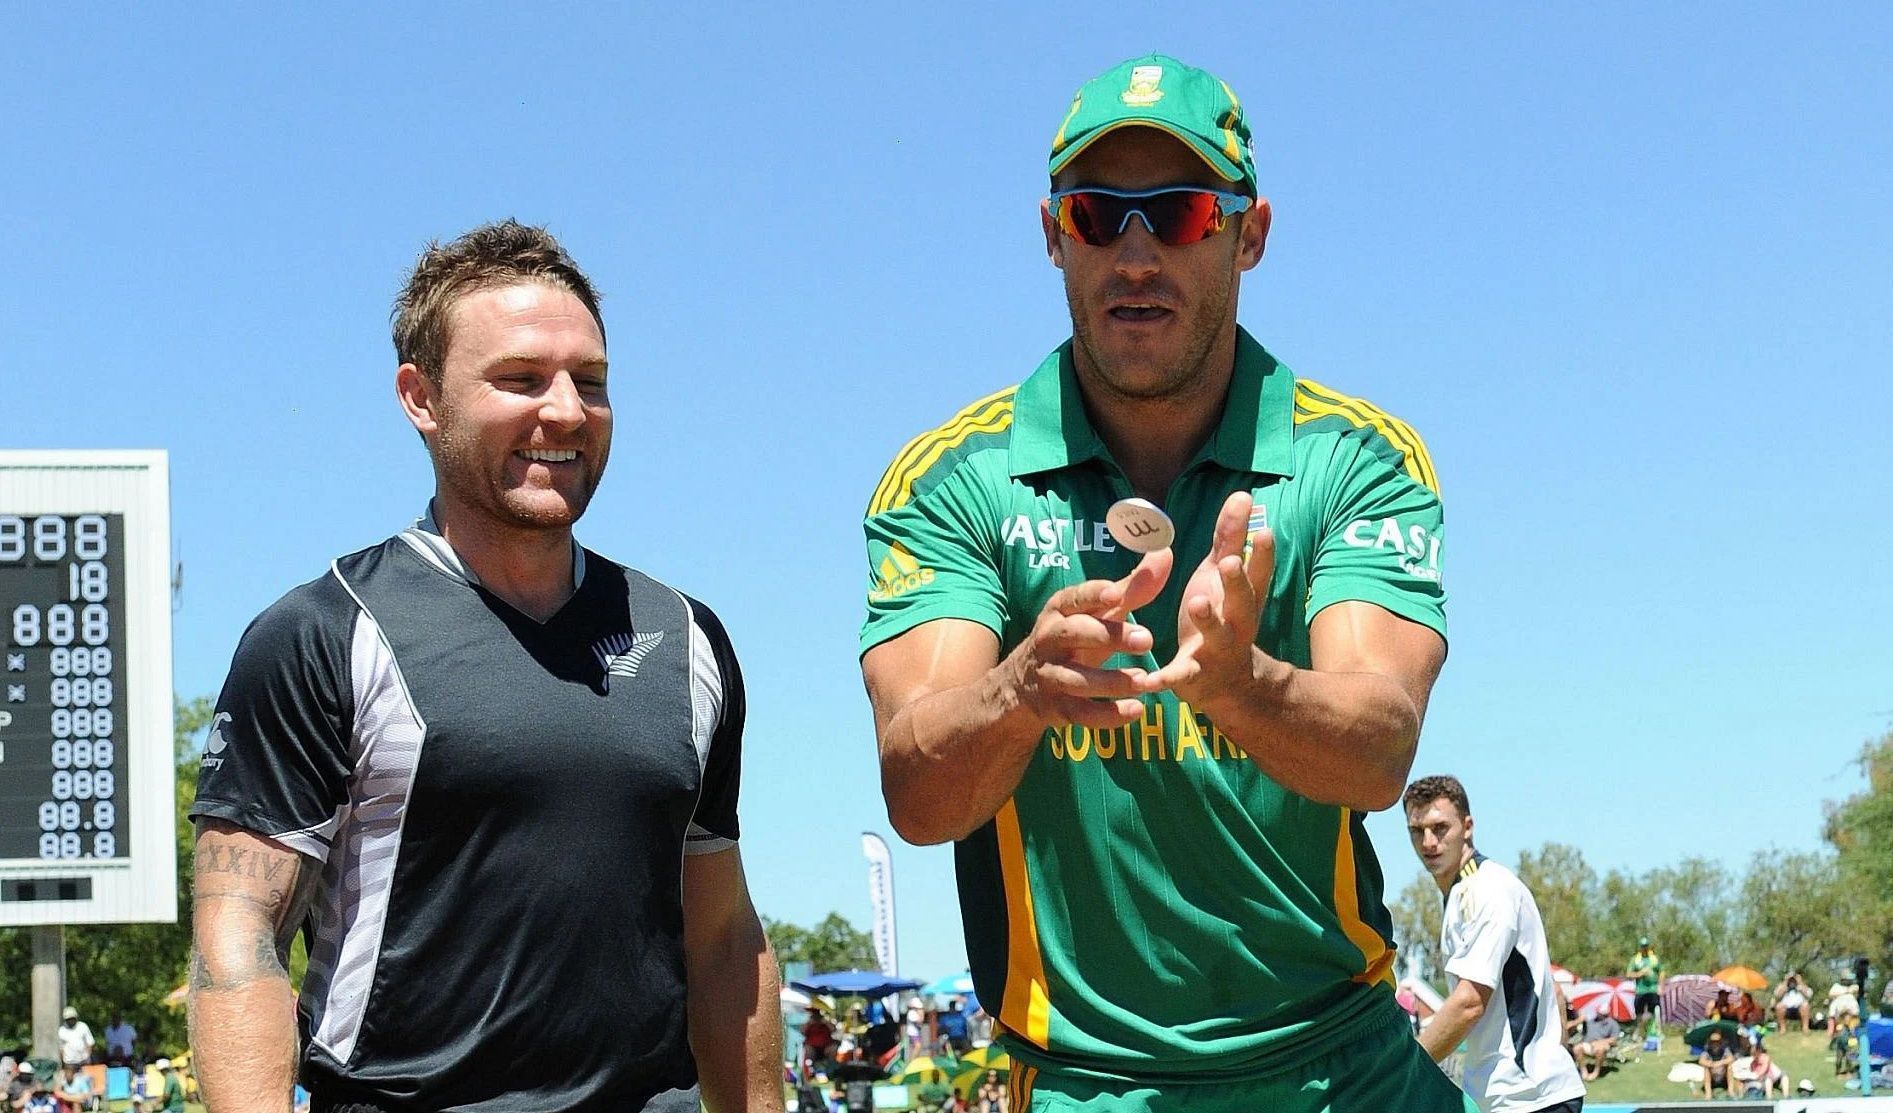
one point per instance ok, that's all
(1140, 525)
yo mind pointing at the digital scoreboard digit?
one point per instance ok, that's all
(62, 578)
(87, 789)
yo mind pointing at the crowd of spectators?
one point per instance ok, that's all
(842, 1056)
(75, 1084)
(1735, 1055)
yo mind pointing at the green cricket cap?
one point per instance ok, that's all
(1158, 91)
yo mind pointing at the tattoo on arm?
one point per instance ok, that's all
(261, 920)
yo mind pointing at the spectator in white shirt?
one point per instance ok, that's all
(75, 1039)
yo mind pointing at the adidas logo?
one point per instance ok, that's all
(621, 654)
(899, 573)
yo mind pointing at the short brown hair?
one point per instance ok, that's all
(498, 254)
(1428, 789)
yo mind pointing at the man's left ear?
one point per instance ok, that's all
(1255, 234)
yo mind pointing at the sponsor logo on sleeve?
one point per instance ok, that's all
(1416, 549)
(215, 744)
(897, 574)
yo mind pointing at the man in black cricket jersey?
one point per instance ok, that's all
(491, 775)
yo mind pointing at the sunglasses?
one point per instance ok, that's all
(1176, 215)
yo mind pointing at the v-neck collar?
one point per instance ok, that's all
(426, 539)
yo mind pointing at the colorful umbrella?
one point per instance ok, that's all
(1617, 996)
(1687, 997)
(972, 1074)
(1741, 977)
(1562, 976)
(986, 1056)
(925, 1068)
(1699, 1035)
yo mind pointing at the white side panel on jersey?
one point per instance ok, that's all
(386, 749)
(706, 714)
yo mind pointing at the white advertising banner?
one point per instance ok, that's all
(881, 895)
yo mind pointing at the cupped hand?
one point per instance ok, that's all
(1221, 611)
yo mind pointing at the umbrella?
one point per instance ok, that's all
(854, 983)
(971, 1073)
(992, 1055)
(926, 1068)
(1562, 976)
(1741, 977)
(1687, 997)
(953, 985)
(1699, 1035)
(1880, 1036)
(1617, 996)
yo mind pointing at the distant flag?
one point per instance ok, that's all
(881, 896)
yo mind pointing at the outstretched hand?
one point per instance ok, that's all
(1221, 611)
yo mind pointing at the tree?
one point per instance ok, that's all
(1591, 924)
(833, 944)
(1860, 828)
(1801, 912)
(1565, 887)
(1417, 913)
(1696, 915)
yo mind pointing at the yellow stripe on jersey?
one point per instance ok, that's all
(1321, 401)
(1312, 400)
(1377, 957)
(1026, 1010)
(990, 414)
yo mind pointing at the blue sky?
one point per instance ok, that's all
(1627, 269)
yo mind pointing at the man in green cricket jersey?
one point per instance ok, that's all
(1155, 770)
(1647, 969)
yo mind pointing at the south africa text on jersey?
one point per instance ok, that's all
(1197, 739)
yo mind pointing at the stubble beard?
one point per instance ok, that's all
(460, 467)
(1177, 379)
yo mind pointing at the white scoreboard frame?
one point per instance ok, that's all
(142, 886)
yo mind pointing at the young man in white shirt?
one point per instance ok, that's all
(1503, 1003)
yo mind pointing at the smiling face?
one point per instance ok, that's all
(520, 422)
(1441, 837)
(1148, 319)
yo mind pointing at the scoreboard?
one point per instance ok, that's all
(64, 584)
(87, 790)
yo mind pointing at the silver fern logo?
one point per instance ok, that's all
(621, 654)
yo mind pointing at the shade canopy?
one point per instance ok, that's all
(855, 983)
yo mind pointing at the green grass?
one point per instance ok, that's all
(1800, 1056)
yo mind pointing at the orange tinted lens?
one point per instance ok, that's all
(1183, 216)
(1177, 216)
